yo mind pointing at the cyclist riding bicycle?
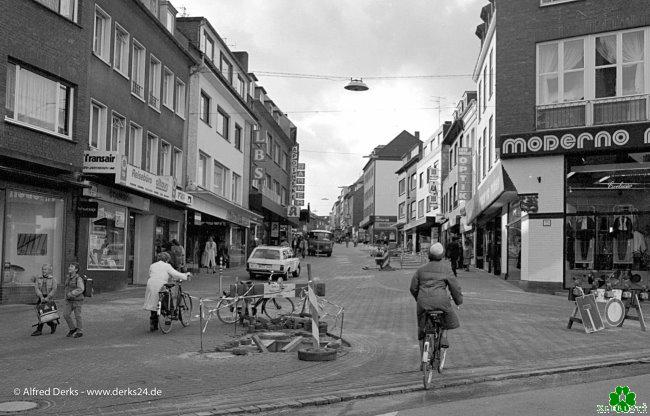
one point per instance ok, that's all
(159, 273)
(429, 288)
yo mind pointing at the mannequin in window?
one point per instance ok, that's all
(640, 248)
(623, 239)
(585, 231)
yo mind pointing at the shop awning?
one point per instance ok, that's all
(213, 204)
(496, 189)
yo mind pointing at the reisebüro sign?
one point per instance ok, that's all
(582, 140)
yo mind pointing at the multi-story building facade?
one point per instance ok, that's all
(407, 197)
(276, 142)
(493, 189)
(220, 126)
(136, 138)
(43, 131)
(457, 183)
(430, 171)
(574, 138)
(380, 187)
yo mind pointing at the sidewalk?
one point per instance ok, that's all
(505, 332)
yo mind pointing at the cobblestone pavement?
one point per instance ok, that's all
(504, 331)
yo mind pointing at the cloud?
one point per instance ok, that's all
(352, 38)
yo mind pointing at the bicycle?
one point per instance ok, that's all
(235, 309)
(169, 312)
(432, 354)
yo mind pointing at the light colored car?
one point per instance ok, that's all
(279, 260)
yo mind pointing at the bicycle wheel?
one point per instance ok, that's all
(185, 309)
(228, 310)
(277, 307)
(441, 353)
(427, 361)
(165, 315)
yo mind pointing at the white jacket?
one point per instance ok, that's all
(159, 274)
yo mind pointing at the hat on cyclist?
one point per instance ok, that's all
(436, 252)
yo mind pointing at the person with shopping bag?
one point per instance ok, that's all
(45, 287)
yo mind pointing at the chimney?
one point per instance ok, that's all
(417, 135)
(242, 58)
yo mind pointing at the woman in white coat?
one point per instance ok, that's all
(210, 254)
(159, 273)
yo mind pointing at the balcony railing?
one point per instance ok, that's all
(153, 100)
(136, 88)
(593, 112)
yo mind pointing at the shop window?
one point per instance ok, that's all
(607, 227)
(33, 236)
(166, 231)
(107, 238)
(514, 241)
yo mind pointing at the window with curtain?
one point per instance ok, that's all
(102, 36)
(605, 66)
(134, 146)
(547, 67)
(154, 82)
(38, 101)
(168, 89)
(219, 182)
(238, 137)
(97, 138)
(121, 51)
(150, 153)
(118, 133)
(177, 166)
(633, 63)
(66, 8)
(205, 108)
(164, 158)
(202, 170)
(137, 69)
(236, 188)
(179, 98)
(573, 88)
(223, 124)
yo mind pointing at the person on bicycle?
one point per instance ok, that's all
(429, 288)
(159, 273)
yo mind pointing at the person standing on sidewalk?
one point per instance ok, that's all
(429, 288)
(454, 252)
(303, 246)
(467, 254)
(45, 287)
(210, 254)
(74, 298)
(178, 255)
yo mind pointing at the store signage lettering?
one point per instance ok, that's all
(100, 161)
(464, 173)
(259, 155)
(183, 197)
(160, 186)
(87, 209)
(619, 185)
(258, 173)
(28, 196)
(575, 140)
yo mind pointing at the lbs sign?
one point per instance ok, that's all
(593, 139)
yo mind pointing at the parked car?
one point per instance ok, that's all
(279, 260)
(320, 242)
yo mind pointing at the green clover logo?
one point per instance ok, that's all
(622, 399)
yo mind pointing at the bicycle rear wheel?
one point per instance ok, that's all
(185, 309)
(276, 307)
(228, 310)
(165, 314)
(427, 361)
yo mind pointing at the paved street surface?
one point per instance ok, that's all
(505, 333)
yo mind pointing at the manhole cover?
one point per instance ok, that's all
(18, 406)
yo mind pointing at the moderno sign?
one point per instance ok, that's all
(583, 140)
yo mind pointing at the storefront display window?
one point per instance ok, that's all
(34, 231)
(607, 226)
(166, 231)
(107, 238)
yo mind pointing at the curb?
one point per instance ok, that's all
(410, 388)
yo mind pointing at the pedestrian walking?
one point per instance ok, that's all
(74, 298)
(303, 247)
(429, 287)
(347, 241)
(454, 253)
(467, 254)
(45, 287)
(159, 273)
(209, 254)
(178, 256)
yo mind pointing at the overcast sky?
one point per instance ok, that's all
(352, 38)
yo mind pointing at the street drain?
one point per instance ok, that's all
(17, 406)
